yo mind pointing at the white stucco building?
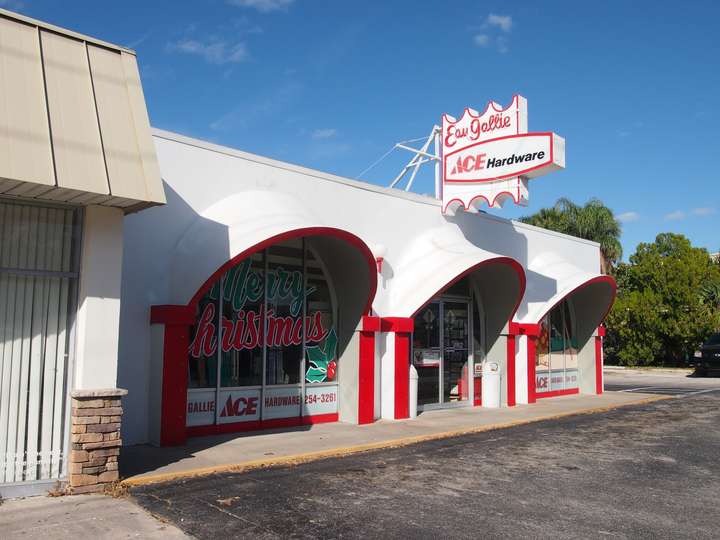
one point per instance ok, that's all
(384, 271)
(155, 287)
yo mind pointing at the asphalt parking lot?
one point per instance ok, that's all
(673, 383)
(646, 471)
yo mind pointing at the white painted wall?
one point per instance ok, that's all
(521, 365)
(221, 201)
(586, 367)
(98, 315)
(387, 374)
(348, 375)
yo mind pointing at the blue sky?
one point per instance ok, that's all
(632, 86)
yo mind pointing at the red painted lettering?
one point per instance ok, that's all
(316, 332)
(245, 332)
(204, 341)
(280, 331)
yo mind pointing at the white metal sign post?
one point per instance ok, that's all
(489, 157)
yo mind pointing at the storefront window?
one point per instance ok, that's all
(571, 350)
(556, 363)
(321, 342)
(277, 321)
(242, 338)
(203, 350)
(285, 288)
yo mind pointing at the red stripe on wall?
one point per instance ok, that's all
(366, 378)
(555, 393)
(511, 371)
(598, 366)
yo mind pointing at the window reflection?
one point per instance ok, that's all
(556, 351)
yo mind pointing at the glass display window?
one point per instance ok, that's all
(242, 336)
(556, 351)
(285, 289)
(270, 322)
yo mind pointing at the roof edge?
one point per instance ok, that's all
(234, 152)
(62, 31)
(358, 184)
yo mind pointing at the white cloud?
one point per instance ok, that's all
(704, 211)
(215, 52)
(504, 22)
(627, 217)
(675, 216)
(324, 133)
(263, 6)
(490, 28)
(482, 40)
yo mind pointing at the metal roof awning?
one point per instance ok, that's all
(73, 122)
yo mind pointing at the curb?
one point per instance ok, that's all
(298, 459)
(648, 369)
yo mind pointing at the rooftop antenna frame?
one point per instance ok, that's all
(422, 157)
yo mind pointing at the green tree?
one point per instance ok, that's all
(663, 311)
(593, 221)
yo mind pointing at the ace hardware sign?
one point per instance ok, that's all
(490, 156)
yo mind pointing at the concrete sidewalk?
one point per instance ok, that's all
(82, 516)
(204, 455)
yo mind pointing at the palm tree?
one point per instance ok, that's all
(593, 221)
(548, 218)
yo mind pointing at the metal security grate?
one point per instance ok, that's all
(38, 282)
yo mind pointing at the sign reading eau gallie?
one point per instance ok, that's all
(490, 156)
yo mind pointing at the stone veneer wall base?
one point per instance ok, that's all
(95, 439)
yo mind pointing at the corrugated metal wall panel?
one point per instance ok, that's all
(73, 121)
(77, 145)
(122, 156)
(24, 132)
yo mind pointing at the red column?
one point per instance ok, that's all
(532, 331)
(366, 370)
(176, 342)
(402, 327)
(599, 360)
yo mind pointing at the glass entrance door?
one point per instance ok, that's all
(455, 352)
(441, 353)
(427, 353)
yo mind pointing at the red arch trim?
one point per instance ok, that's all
(495, 260)
(289, 235)
(598, 279)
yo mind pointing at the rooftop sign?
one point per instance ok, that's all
(490, 156)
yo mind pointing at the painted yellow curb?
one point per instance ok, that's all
(297, 459)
